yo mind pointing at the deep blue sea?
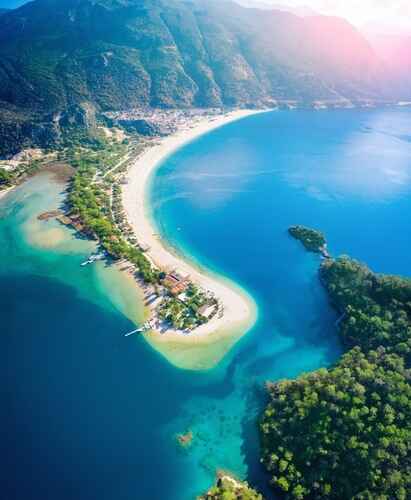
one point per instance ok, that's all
(86, 414)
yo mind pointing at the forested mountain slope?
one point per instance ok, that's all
(117, 54)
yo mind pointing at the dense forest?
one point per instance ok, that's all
(376, 308)
(313, 241)
(345, 432)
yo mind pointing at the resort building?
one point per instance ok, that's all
(179, 288)
(176, 283)
(207, 310)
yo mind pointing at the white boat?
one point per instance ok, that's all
(93, 258)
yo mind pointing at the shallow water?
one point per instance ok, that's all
(87, 414)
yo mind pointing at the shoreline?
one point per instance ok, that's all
(218, 335)
(4, 192)
(49, 236)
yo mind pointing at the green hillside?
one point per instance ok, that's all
(118, 54)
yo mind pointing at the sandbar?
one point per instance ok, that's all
(205, 346)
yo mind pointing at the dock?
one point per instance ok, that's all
(148, 325)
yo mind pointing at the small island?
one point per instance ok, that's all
(313, 240)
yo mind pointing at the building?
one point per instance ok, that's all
(207, 310)
(179, 288)
(176, 283)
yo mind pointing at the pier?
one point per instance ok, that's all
(148, 325)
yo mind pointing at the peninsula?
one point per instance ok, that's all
(361, 404)
(193, 317)
(230, 313)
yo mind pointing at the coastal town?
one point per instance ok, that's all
(94, 208)
(173, 300)
(161, 122)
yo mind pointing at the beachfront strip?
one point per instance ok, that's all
(106, 201)
(177, 303)
(220, 308)
(175, 300)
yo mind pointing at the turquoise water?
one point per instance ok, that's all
(87, 414)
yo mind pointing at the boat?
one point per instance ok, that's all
(93, 258)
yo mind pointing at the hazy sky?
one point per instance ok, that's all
(389, 15)
(395, 14)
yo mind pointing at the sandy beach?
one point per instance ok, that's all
(206, 345)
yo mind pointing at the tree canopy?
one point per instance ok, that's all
(345, 432)
(313, 240)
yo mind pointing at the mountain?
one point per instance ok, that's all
(121, 53)
(117, 54)
(3, 11)
(395, 53)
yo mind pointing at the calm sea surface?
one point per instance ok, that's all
(86, 414)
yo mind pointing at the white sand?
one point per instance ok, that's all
(239, 309)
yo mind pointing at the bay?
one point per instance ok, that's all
(87, 414)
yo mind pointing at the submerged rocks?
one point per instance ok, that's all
(185, 440)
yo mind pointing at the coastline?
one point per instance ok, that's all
(205, 346)
(5, 191)
(58, 251)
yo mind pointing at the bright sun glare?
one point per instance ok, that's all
(392, 14)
